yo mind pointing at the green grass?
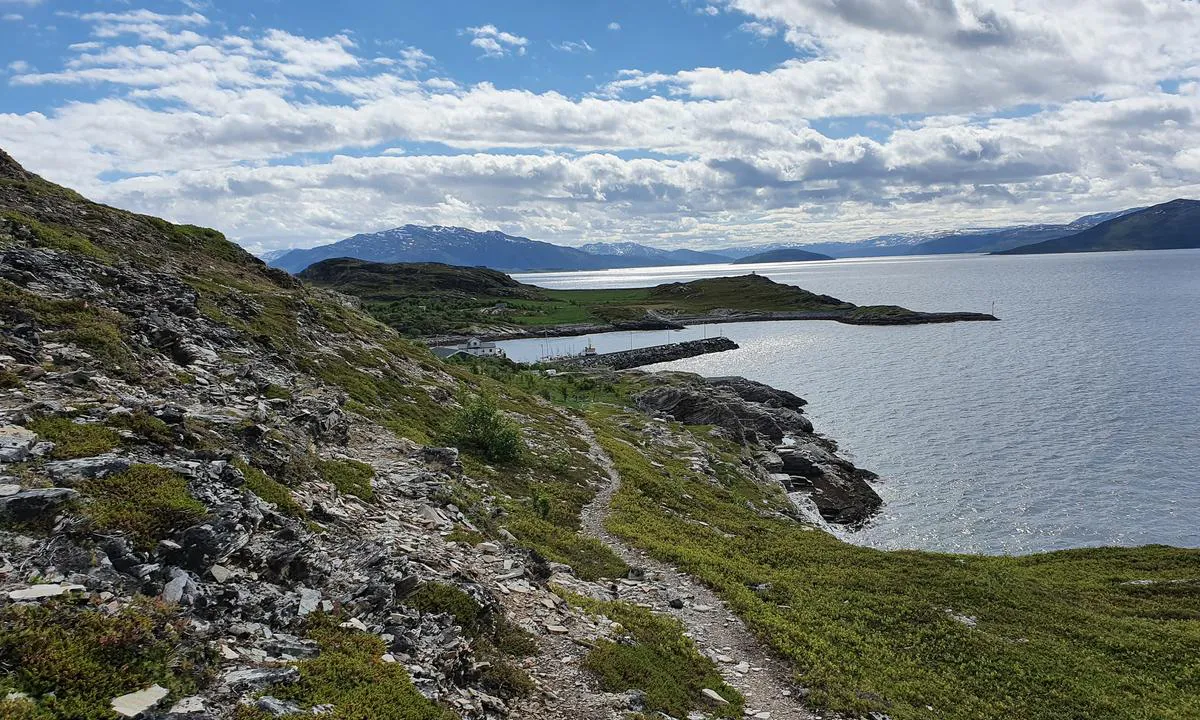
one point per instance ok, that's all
(349, 675)
(72, 661)
(348, 476)
(1059, 635)
(57, 237)
(9, 380)
(658, 659)
(262, 485)
(146, 503)
(146, 427)
(74, 440)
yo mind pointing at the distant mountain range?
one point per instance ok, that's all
(781, 255)
(1172, 224)
(634, 250)
(1169, 226)
(457, 246)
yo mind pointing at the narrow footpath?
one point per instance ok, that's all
(764, 682)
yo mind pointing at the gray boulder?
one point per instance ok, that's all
(31, 505)
(16, 443)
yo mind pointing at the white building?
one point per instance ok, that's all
(473, 347)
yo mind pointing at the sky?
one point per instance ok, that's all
(675, 123)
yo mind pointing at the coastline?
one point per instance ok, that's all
(680, 322)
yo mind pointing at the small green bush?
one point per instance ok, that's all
(73, 440)
(277, 392)
(9, 380)
(481, 428)
(146, 502)
(349, 675)
(658, 659)
(348, 476)
(73, 661)
(145, 426)
(261, 484)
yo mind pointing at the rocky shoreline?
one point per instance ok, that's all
(718, 318)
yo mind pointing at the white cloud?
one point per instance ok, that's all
(253, 132)
(570, 46)
(12, 17)
(29, 3)
(614, 26)
(496, 43)
(19, 66)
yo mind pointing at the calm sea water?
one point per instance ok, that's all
(1073, 422)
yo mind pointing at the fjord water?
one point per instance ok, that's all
(1075, 421)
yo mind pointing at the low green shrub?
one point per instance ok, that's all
(261, 484)
(350, 676)
(348, 476)
(146, 503)
(72, 661)
(658, 659)
(145, 427)
(587, 556)
(74, 440)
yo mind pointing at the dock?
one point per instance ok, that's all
(625, 359)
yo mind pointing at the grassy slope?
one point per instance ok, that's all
(1059, 636)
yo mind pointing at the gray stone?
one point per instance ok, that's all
(6, 490)
(180, 590)
(256, 678)
(134, 704)
(309, 601)
(714, 697)
(277, 707)
(188, 706)
(15, 443)
(30, 505)
(70, 472)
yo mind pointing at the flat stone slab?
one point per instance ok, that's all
(135, 704)
(37, 592)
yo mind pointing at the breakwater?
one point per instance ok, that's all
(637, 357)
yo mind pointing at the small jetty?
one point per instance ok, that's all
(637, 357)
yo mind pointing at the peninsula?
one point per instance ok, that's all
(443, 303)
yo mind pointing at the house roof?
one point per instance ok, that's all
(447, 352)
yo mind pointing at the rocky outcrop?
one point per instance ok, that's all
(772, 422)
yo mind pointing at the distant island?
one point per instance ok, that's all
(445, 302)
(1170, 226)
(781, 255)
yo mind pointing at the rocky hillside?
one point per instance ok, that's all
(228, 495)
